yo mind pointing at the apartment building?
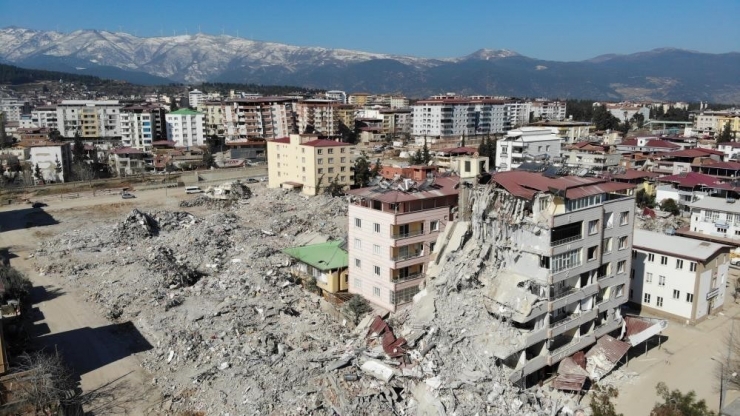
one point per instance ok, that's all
(533, 143)
(548, 110)
(126, 161)
(592, 156)
(308, 163)
(570, 131)
(677, 277)
(88, 118)
(392, 231)
(564, 246)
(318, 116)
(45, 117)
(140, 125)
(625, 112)
(195, 98)
(337, 95)
(455, 116)
(396, 121)
(12, 108)
(186, 128)
(358, 99)
(714, 121)
(255, 118)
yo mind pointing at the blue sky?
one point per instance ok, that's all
(557, 30)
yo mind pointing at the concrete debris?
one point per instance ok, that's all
(231, 332)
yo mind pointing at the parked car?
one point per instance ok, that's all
(735, 261)
(127, 195)
(252, 180)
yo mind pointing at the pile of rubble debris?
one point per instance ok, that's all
(221, 196)
(231, 331)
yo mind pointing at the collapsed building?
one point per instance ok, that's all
(552, 256)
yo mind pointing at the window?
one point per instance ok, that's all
(623, 242)
(358, 243)
(321, 170)
(342, 178)
(303, 160)
(591, 253)
(621, 266)
(341, 150)
(663, 260)
(358, 223)
(403, 296)
(624, 217)
(434, 225)
(331, 161)
(722, 230)
(358, 283)
(376, 249)
(609, 220)
(467, 166)
(343, 160)
(343, 169)
(646, 298)
(661, 280)
(358, 263)
(593, 227)
(676, 294)
(565, 261)
(659, 301)
(679, 264)
(331, 170)
(320, 151)
(648, 278)
(376, 291)
(689, 297)
(632, 274)
(545, 262)
(651, 257)
(320, 161)
(377, 270)
(620, 291)
(330, 151)
(376, 227)
(692, 266)
(544, 202)
(606, 246)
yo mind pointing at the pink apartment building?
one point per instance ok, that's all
(392, 231)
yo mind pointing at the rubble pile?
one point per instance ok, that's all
(232, 332)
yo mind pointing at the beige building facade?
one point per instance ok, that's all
(308, 163)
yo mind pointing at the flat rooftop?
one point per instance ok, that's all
(682, 247)
(717, 204)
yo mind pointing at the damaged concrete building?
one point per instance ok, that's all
(553, 254)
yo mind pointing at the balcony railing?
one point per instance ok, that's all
(407, 235)
(563, 293)
(565, 240)
(398, 279)
(407, 256)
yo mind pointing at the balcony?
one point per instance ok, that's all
(565, 240)
(399, 279)
(408, 256)
(576, 344)
(571, 295)
(407, 235)
(571, 321)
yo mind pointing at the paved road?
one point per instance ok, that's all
(99, 352)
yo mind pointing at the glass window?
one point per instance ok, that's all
(692, 266)
(651, 257)
(376, 269)
(358, 263)
(623, 242)
(358, 223)
(648, 278)
(376, 227)
(358, 243)
(659, 301)
(679, 264)
(661, 280)
(376, 291)
(676, 294)
(646, 298)
(624, 218)
(565, 261)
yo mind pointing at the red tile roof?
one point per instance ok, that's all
(465, 150)
(696, 152)
(717, 164)
(630, 174)
(285, 140)
(527, 184)
(691, 179)
(651, 143)
(325, 143)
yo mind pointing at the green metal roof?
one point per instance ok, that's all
(323, 256)
(186, 112)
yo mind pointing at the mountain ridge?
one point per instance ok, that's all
(660, 74)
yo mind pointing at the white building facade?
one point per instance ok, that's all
(88, 118)
(537, 143)
(49, 158)
(457, 116)
(186, 128)
(716, 217)
(45, 117)
(677, 277)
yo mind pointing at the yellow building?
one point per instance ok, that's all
(732, 120)
(309, 163)
(324, 262)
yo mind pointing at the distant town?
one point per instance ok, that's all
(585, 235)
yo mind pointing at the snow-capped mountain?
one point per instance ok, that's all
(188, 58)
(660, 74)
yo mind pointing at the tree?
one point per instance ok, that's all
(38, 174)
(644, 199)
(601, 401)
(208, 159)
(78, 150)
(55, 136)
(639, 120)
(676, 403)
(426, 157)
(356, 308)
(603, 119)
(334, 188)
(44, 382)
(488, 148)
(362, 171)
(462, 142)
(58, 166)
(726, 134)
(377, 168)
(16, 284)
(669, 205)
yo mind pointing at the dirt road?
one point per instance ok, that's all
(102, 354)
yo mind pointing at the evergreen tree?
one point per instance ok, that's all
(78, 150)
(462, 142)
(676, 403)
(425, 155)
(376, 169)
(726, 134)
(603, 119)
(37, 173)
(362, 171)
(58, 166)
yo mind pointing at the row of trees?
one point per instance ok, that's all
(675, 403)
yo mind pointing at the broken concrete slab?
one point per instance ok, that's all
(378, 370)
